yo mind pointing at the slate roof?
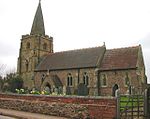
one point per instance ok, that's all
(121, 58)
(82, 58)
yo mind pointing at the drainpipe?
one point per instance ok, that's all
(97, 92)
(78, 76)
(98, 82)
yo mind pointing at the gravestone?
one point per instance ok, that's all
(82, 90)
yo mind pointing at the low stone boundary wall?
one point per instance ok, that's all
(65, 106)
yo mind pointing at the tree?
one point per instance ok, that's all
(2, 68)
(1, 83)
(14, 82)
(11, 81)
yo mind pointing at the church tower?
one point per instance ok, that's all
(33, 48)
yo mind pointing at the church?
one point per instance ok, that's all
(95, 71)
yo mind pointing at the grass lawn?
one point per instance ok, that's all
(128, 101)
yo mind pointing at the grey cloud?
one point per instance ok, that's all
(6, 49)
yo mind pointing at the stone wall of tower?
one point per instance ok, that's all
(32, 50)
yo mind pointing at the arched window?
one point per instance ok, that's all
(27, 64)
(85, 79)
(103, 80)
(43, 77)
(44, 46)
(69, 80)
(127, 83)
(28, 45)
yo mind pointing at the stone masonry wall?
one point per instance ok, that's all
(62, 74)
(32, 50)
(70, 107)
(118, 77)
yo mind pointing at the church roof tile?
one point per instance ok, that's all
(83, 58)
(121, 58)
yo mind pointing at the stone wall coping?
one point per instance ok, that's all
(60, 96)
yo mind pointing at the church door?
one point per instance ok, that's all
(115, 87)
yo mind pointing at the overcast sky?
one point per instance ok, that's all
(76, 24)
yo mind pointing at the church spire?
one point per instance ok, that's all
(38, 23)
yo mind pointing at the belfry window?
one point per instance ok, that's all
(85, 79)
(69, 80)
(44, 46)
(28, 46)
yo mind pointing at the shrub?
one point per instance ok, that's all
(20, 91)
(44, 92)
(35, 92)
(14, 82)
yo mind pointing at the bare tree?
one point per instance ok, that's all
(2, 69)
(10, 71)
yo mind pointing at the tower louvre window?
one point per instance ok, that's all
(44, 46)
(28, 45)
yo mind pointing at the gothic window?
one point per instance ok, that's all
(69, 80)
(103, 80)
(43, 77)
(28, 45)
(85, 79)
(127, 83)
(27, 64)
(44, 46)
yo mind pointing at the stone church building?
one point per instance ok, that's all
(89, 71)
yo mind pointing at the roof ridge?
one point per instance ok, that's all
(136, 46)
(65, 51)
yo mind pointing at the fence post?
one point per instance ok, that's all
(145, 103)
(117, 95)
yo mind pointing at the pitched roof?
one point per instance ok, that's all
(38, 23)
(121, 58)
(82, 58)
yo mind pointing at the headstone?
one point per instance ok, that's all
(68, 90)
(83, 90)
